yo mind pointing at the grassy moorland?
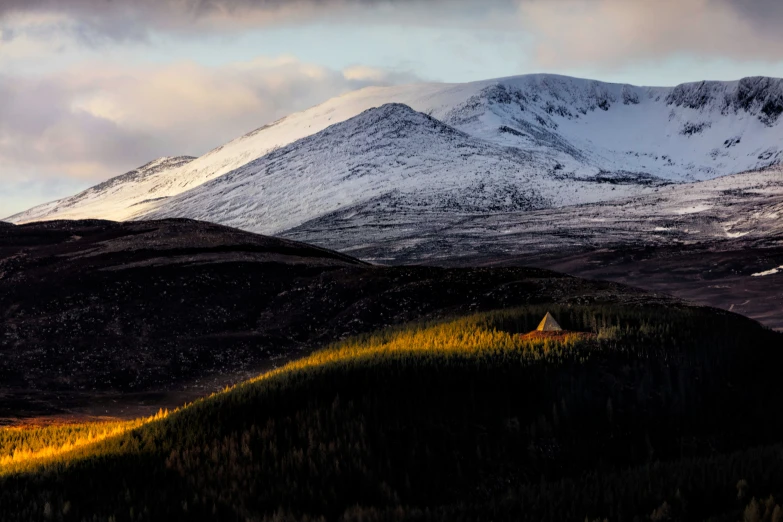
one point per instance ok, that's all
(665, 413)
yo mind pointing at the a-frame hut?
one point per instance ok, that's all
(548, 324)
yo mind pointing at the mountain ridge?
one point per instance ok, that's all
(686, 133)
(85, 201)
(405, 158)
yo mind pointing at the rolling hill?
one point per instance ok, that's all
(104, 318)
(666, 413)
(744, 206)
(116, 196)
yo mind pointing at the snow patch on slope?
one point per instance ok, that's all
(768, 272)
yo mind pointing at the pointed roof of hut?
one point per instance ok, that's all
(548, 324)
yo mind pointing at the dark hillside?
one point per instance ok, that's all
(104, 318)
(717, 274)
(667, 413)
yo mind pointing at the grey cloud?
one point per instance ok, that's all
(38, 129)
(616, 33)
(766, 15)
(757, 10)
(94, 21)
(187, 8)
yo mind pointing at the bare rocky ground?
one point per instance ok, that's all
(119, 319)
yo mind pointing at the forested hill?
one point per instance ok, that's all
(105, 318)
(637, 412)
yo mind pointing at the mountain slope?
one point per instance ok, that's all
(747, 206)
(112, 198)
(404, 158)
(587, 128)
(706, 242)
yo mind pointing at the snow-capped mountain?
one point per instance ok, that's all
(112, 199)
(393, 156)
(530, 142)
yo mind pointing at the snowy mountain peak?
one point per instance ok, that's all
(395, 118)
(565, 131)
(391, 110)
(385, 159)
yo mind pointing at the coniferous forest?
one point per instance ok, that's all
(637, 412)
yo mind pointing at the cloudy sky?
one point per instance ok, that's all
(92, 88)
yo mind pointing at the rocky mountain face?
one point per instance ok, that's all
(758, 96)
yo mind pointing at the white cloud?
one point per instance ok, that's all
(99, 120)
(377, 76)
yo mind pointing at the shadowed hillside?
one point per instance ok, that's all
(104, 318)
(664, 413)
